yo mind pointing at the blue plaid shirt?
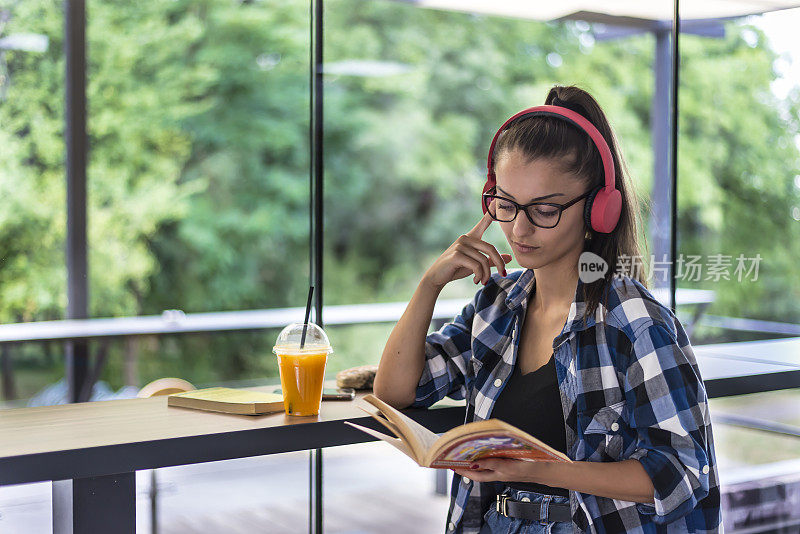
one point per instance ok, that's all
(630, 388)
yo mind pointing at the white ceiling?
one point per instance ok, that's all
(641, 9)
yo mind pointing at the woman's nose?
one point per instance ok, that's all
(522, 226)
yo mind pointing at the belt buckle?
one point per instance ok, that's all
(502, 504)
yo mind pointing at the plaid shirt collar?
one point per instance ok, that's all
(525, 285)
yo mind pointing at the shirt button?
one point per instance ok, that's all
(614, 427)
(705, 469)
(451, 526)
(465, 480)
(498, 383)
(525, 499)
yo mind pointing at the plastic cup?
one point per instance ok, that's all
(302, 370)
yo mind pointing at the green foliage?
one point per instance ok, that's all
(199, 168)
(32, 222)
(737, 171)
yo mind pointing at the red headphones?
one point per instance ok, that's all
(604, 204)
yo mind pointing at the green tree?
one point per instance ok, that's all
(198, 166)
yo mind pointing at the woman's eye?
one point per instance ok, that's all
(504, 206)
(546, 212)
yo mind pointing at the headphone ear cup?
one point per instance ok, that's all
(606, 209)
(587, 207)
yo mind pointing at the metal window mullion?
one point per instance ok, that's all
(77, 354)
(316, 220)
(673, 236)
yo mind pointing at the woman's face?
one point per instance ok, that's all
(541, 180)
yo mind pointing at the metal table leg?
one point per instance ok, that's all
(95, 504)
(315, 491)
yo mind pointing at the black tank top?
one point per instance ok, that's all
(532, 402)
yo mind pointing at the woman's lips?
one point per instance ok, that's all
(524, 249)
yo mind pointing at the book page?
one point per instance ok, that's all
(494, 428)
(379, 417)
(465, 450)
(420, 439)
(396, 443)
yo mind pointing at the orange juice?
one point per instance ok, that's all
(301, 381)
(302, 350)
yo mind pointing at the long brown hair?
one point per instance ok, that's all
(553, 138)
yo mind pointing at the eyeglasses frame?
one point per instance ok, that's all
(524, 207)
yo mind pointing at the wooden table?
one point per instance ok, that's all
(91, 451)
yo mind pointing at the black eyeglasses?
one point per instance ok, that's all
(541, 214)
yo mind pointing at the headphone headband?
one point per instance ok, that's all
(570, 116)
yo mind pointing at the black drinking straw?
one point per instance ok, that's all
(308, 312)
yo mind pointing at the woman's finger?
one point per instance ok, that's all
(486, 270)
(478, 230)
(463, 260)
(491, 251)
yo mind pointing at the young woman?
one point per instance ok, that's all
(598, 369)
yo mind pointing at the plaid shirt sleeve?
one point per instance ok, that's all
(447, 353)
(671, 419)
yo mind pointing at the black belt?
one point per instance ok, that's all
(532, 510)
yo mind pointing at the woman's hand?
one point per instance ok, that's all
(467, 255)
(503, 469)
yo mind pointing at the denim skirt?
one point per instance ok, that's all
(496, 523)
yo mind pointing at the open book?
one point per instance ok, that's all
(457, 447)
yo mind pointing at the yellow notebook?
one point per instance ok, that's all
(227, 400)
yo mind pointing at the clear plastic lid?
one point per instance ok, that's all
(289, 340)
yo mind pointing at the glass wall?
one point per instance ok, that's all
(32, 224)
(738, 236)
(199, 184)
(199, 172)
(32, 230)
(738, 185)
(413, 97)
(198, 194)
(199, 198)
